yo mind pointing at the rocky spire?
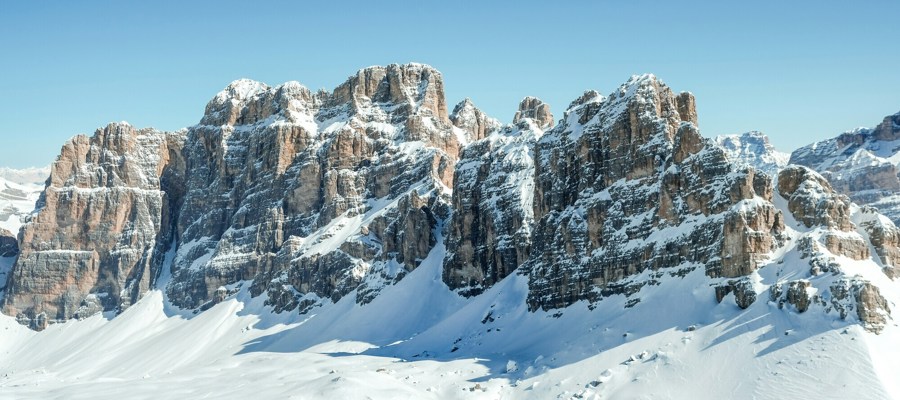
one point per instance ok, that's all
(535, 109)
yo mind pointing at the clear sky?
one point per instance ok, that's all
(799, 71)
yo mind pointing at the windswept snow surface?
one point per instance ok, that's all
(418, 340)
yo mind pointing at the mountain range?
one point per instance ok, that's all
(373, 241)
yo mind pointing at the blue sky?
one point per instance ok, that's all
(799, 71)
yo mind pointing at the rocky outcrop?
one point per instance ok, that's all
(811, 199)
(536, 110)
(839, 229)
(884, 237)
(796, 294)
(871, 308)
(754, 150)
(854, 297)
(103, 226)
(861, 164)
(744, 292)
(9, 246)
(490, 233)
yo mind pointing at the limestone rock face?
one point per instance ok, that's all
(872, 309)
(311, 195)
(625, 184)
(9, 246)
(536, 110)
(490, 232)
(884, 237)
(812, 200)
(861, 164)
(102, 228)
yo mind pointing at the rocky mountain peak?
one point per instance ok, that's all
(474, 123)
(417, 87)
(535, 109)
(246, 101)
(241, 89)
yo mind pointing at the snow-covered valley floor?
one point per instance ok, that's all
(418, 340)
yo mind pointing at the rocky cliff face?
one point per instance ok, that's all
(311, 195)
(490, 233)
(306, 198)
(862, 164)
(831, 230)
(628, 195)
(753, 149)
(101, 229)
(625, 185)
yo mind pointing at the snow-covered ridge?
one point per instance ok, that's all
(23, 176)
(753, 149)
(863, 163)
(19, 191)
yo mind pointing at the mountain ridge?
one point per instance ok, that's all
(326, 212)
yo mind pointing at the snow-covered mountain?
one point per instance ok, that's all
(863, 163)
(753, 149)
(365, 242)
(35, 176)
(19, 191)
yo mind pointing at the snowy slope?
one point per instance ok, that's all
(420, 340)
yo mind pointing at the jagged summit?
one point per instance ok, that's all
(414, 88)
(535, 109)
(472, 122)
